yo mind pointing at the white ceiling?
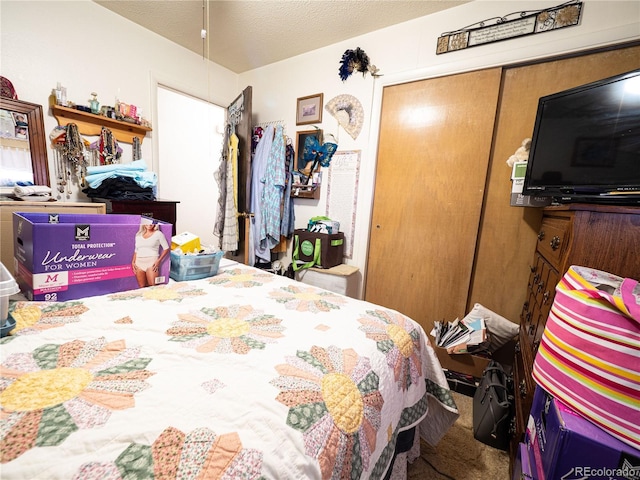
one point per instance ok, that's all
(247, 34)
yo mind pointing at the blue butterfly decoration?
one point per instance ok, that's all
(314, 152)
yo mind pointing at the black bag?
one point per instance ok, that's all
(493, 407)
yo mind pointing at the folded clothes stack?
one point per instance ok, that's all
(121, 181)
(33, 193)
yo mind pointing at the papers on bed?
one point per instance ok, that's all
(460, 336)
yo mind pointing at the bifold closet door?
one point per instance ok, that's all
(509, 234)
(433, 153)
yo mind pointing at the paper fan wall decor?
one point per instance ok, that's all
(348, 110)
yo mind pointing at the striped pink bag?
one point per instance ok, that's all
(589, 355)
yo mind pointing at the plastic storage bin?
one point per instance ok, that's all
(8, 287)
(194, 267)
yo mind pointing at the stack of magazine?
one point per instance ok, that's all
(468, 335)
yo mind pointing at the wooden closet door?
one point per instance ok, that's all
(244, 132)
(434, 147)
(509, 234)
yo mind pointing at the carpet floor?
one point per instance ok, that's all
(458, 455)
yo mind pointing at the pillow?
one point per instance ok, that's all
(499, 329)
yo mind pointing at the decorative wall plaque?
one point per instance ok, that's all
(512, 25)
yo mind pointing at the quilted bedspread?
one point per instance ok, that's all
(241, 375)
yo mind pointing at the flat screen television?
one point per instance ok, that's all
(585, 145)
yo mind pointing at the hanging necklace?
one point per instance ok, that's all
(72, 155)
(108, 147)
(137, 149)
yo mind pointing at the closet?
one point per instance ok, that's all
(433, 152)
(443, 235)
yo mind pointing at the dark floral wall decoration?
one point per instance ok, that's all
(356, 61)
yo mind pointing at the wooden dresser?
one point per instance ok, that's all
(601, 237)
(6, 220)
(164, 210)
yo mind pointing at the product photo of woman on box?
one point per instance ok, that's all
(147, 256)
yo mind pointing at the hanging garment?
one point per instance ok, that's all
(272, 193)
(288, 218)
(221, 179)
(259, 166)
(230, 232)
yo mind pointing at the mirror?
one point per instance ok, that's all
(33, 116)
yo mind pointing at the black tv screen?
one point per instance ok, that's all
(586, 143)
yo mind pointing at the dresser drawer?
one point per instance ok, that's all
(553, 239)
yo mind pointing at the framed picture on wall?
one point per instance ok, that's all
(309, 109)
(301, 137)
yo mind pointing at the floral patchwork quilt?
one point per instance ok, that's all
(241, 375)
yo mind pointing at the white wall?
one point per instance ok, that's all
(406, 52)
(88, 48)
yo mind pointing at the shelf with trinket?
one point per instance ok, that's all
(91, 124)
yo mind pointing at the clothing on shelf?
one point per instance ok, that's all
(120, 188)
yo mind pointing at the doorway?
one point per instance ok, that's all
(190, 137)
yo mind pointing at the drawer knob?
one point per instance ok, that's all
(541, 235)
(540, 286)
(545, 297)
(555, 242)
(532, 329)
(532, 268)
(516, 348)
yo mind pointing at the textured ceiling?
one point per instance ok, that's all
(244, 34)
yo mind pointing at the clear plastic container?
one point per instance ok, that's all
(194, 267)
(8, 287)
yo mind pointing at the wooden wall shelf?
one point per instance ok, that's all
(305, 192)
(91, 124)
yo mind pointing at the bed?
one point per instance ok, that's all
(244, 374)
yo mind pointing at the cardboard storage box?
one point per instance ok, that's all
(341, 279)
(565, 445)
(462, 362)
(325, 249)
(194, 267)
(475, 364)
(187, 242)
(70, 256)
(522, 465)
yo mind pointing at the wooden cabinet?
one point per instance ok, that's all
(164, 210)
(602, 237)
(6, 220)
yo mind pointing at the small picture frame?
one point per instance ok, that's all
(301, 137)
(309, 109)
